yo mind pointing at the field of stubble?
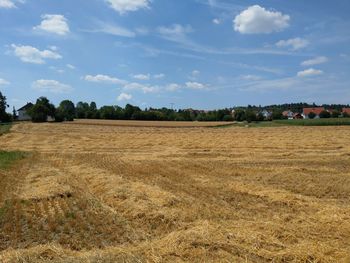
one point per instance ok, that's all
(95, 193)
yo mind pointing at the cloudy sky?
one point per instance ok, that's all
(194, 53)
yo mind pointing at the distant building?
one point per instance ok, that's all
(346, 110)
(316, 110)
(267, 114)
(23, 112)
(297, 116)
(288, 114)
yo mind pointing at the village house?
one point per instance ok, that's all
(267, 114)
(288, 114)
(316, 110)
(23, 112)
(346, 111)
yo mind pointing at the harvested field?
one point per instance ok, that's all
(104, 193)
(160, 124)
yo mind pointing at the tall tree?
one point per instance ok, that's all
(41, 110)
(4, 116)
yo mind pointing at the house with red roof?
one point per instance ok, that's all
(346, 111)
(316, 110)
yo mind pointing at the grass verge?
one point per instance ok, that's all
(4, 128)
(8, 158)
(304, 122)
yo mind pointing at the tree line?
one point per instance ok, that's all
(44, 110)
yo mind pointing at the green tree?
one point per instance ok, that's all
(82, 109)
(325, 114)
(239, 115)
(346, 115)
(277, 115)
(312, 115)
(250, 115)
(41, 110)
(4, 116)
(65, 111)
(335, 114)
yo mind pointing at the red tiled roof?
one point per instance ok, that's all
(347, 110)
(316, 110)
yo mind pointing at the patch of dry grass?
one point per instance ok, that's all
(102, 193)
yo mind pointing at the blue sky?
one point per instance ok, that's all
(204, 54)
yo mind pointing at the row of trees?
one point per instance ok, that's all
(43, 110)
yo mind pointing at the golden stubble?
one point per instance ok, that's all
(106, 193)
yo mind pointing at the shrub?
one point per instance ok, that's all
(325, 114)
(311, 115)
(227, 118)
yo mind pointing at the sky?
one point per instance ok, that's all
(203, 54)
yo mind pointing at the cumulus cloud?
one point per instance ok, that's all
(124, 6)
(159, 76)
(104, 79)
(256, 19)
(293, 43)
(216, 21)
(33, 55)
(52, 86)
(70, 66)
(142, 76)
(309, 72)
(7, 4)
(315, 61)
(141, 87)
(195, 85)
(4, 82)
(172, 87)
(124, 96)
(55, 24)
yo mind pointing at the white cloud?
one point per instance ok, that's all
(159, 76)
(31, 54)
(175, 32)
(309, 72)
(4, 82)
(142, 87)
(315, 61)
(124, 96)
(195, 85)
(256, 19)
(142, 76)
(216, 21)
(251, 77)
(52, 86)
(112, 29)
(70, 66)
(194, 74)
(104, 79)
(173, 87)
(293, 43)
(7, 4)
(124, 6)
(56, 24)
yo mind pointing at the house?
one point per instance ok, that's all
(346, 111)
(288, 114)
(297, 116)
(23, 112)
(267, 114)
(316, 110)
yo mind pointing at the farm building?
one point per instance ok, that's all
(297, 116)
(288, 114)
(23, 112)
(316, 110)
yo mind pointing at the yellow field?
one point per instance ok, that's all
(102, 193)
(159, 124)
